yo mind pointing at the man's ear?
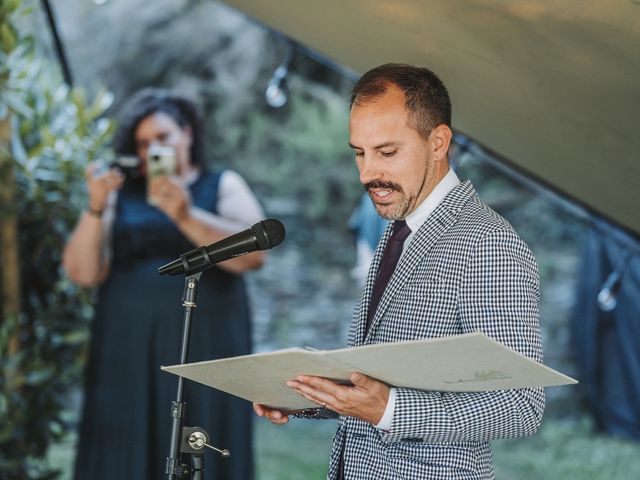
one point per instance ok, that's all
(440, 138)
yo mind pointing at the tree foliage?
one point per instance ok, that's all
(54, 132)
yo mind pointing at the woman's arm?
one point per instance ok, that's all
(86, 255)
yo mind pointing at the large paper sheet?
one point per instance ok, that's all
(461, 363)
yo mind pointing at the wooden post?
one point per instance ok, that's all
(8, 235)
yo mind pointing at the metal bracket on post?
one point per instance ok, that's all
(194, 439)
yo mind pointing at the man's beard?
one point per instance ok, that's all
(394, 211)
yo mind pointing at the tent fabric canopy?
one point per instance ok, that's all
(551, 86)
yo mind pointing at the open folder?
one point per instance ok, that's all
(461, 363)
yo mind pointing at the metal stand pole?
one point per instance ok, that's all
(174, 468)
(187, 439)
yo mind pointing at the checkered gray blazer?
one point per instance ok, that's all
(466, 270)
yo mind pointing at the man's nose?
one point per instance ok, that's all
(369, 171)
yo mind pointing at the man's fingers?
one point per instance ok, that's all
(318, 390)
(280, 421)
(359, 380)
(275, 416)
(259, 409)
(319, 383)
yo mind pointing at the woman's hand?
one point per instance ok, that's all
(171, 196)
(100, 185)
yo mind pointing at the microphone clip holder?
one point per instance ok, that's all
(190, 269)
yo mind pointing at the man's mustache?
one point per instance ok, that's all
(384, 185)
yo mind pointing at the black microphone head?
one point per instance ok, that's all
(269, 233)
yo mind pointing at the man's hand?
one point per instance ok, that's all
(278, 417)
(366, 399)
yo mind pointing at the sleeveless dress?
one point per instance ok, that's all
(126, 424)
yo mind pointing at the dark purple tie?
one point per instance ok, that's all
(390, 257)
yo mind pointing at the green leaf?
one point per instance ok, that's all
(79, 100)
(9, 6)
(76, 337)
(7, 38)
(104, 99)
(38, 377)
(18, 104)
(4, 405)
(17, 147)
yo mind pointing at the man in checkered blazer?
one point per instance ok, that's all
(462, 269)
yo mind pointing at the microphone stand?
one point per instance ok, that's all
(264, 234)
(189, 440)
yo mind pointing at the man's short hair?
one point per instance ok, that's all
(426, 98)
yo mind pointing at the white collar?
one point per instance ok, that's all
(416, 218)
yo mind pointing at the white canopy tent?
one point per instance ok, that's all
(552, 86)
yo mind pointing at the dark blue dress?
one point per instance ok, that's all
(126, 424)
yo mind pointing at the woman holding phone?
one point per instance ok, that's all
(135, 222)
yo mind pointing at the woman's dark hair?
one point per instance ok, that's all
(426, 98)
(153, 100)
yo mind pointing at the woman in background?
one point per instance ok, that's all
(130, 228)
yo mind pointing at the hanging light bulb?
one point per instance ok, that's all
(610, 289)
(277, 92)
(608, 294)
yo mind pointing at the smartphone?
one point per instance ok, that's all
(161, 160)
(129, 165)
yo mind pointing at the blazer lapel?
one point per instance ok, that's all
(427, 235)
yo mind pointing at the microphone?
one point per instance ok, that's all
(262, 236)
